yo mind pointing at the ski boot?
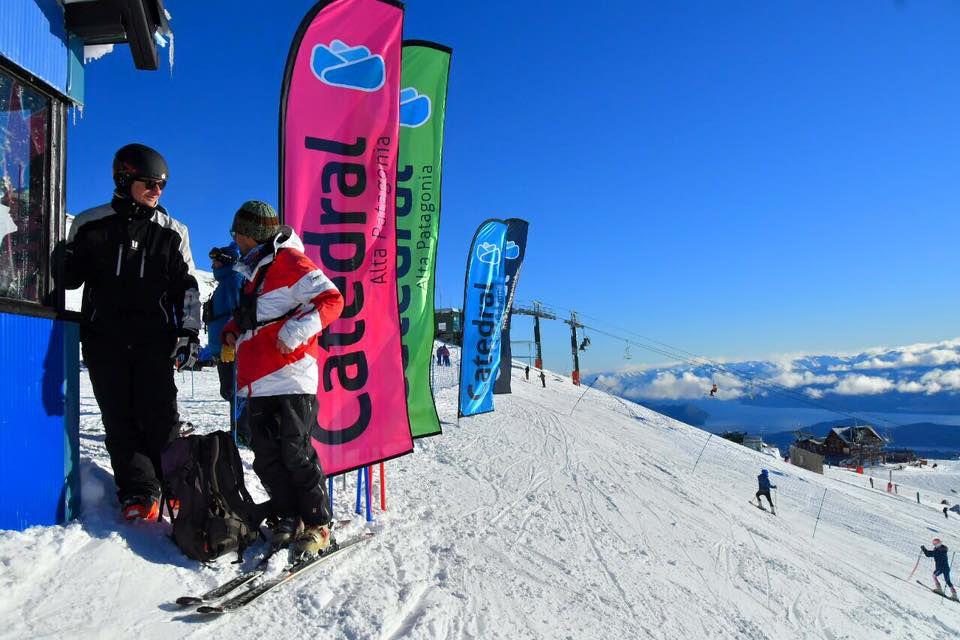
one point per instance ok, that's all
(313, 540)
(140, 508)
(285, 531)
(938, 590)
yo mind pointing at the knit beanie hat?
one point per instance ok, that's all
(256, 219)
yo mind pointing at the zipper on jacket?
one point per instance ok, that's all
(166, 316)
(119, 257)
(143, 259)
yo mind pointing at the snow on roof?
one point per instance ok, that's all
(848, 434)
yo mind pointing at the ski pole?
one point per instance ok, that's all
(234, 405)
(919, 555)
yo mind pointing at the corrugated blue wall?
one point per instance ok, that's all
(33, 36)
(39, 439)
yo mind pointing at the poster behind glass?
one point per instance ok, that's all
(24, 136)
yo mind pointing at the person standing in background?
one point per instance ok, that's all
(225, 299)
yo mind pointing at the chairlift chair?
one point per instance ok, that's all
(585, 342)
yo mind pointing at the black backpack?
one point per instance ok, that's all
(217, 514)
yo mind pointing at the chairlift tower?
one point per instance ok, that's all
(537, 311)
(575, 375)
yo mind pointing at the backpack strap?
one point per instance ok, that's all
(249, 300)
(212, 446)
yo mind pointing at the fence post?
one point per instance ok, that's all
(701, 453)
(818, 514)
(918, 497)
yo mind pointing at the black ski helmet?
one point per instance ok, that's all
(137, 161)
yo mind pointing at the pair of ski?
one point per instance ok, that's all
(939, 593)
(762, 508)
(245, 597)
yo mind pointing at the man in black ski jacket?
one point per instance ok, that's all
(141, 309)
(941, 566)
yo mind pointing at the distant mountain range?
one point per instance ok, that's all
(921, 378)
(878, 387)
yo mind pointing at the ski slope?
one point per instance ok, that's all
(537, 520)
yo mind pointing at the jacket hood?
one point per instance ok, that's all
(287, 239)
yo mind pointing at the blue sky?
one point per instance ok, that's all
(738, 179)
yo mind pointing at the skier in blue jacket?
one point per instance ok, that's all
(764, 481)
(225, 299)
(941, 566)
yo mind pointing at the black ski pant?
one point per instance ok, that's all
(946, 577)
(238, 424)
(764, 492)
(134, 387)
(284, 458)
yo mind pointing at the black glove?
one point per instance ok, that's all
(185, 352)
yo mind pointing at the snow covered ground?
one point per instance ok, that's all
(546, 518)
(933, 484)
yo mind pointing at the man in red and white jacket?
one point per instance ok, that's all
(284, 305)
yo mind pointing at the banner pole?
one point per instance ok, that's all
(366, 472)
(359, 489)
(330, 493)
(383, 488)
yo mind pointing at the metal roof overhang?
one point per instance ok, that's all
(119, 21)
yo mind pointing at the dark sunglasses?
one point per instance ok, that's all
(153, 184)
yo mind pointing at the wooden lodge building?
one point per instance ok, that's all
(859, 446)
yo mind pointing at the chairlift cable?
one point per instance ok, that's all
(677, 353)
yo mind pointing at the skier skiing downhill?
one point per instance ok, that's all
(941, 566)
(140, 315)
(285, 304)
(764, 489)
